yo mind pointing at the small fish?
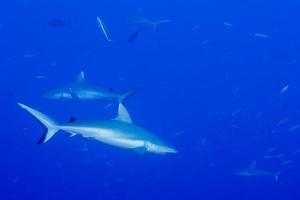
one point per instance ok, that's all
(205, 42)
(282, 122)
(235, 112)
(179, 133)
(261, 35)
(234, 126)
(294, 128)
(228, 24)
(236, 90)
(274, 156)
(284, 90)
(287, 162)
(40, 77)
(271, 150)
(103, 28)
(58, 23)
(29, 55)
(296, 152)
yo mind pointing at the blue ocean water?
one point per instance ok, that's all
(220, 82)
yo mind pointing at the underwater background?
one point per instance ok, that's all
(220, 82)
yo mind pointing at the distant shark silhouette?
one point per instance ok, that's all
(120, 132)
(81, 90)
(252, 171)
(142, 20)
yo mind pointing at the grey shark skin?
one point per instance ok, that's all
(119, 132)
(252, 171)
(80, 90)
(142, 20)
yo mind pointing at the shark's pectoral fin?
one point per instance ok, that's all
(140, 150)
(73, 94)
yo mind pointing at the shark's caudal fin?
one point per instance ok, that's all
(123, 97)
(158, 23)
(47, 122)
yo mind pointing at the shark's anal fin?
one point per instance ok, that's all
(80, 78)
(73, 94)
(123, 114)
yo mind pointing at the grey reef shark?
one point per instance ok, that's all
(81, 90)
(120, 132)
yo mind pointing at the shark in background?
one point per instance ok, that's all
(120, 132)
(253, 171)
(81, 90)
(141, 20)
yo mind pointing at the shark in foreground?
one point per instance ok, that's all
(120, 132)
(81, 90)
(142, 20)
(252, 171)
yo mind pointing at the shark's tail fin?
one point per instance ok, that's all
(124, 97)
(158, 23)
(47, 122)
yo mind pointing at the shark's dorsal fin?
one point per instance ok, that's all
(123, 114)
(80, 78)
(253, 165)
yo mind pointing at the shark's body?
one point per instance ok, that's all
(80, 90)
(253, 171)
(119, 132)
(141, 20)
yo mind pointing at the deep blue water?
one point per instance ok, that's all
(210, 89)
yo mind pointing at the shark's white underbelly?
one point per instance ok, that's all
(110, 137)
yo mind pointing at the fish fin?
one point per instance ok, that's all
(123, 97)
(140, 150)
(72, 119)
(80, 77)
(123, 114)
(47, 122)
(158, 23)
